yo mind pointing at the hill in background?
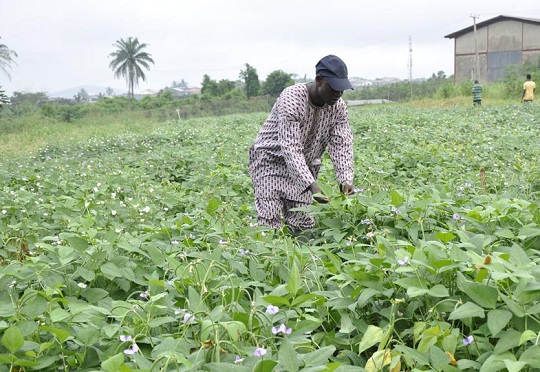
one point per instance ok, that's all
(90, 89)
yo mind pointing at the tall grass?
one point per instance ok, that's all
(24, 136)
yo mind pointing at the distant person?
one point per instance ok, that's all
(477, 94)
(285, 159)
(529, 88)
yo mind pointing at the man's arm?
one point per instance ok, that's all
(341, 151)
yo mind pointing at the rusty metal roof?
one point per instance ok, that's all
(500, 18)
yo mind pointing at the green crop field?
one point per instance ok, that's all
(139, 250)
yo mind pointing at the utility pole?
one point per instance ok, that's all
(410, 65)
(477, 70)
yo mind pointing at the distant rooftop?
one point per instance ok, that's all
(466, 30)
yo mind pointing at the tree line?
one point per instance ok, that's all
(130, 60)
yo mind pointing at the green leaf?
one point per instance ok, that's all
(483, 295)
(60, 334)
(514, 366)
(372, 336)
(346, 324)
(13, 339)
(438, 290)
(531, 355)
(59, 314)
(505, 233)
(276, 300)
(445, 237)
(114, 363)
(467, 310)
(438, 358)
(397, 199)
(156, 322)
(497, 320)
(528, 232)
(265, 366)
(527, 336)
(212, 206)
(415, 291)
(507, 340)
(110, 271)
(318, 357)
(295, 279)
(234, 329)
(78, 243)
(514, 307)
(287, 356)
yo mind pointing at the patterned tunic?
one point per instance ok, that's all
(286, 156)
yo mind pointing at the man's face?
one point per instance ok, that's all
(327, 94)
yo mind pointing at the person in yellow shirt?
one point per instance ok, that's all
(529, 88)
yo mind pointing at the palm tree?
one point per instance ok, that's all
(128, 60)
(6, 58)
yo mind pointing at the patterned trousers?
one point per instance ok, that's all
(272, 213)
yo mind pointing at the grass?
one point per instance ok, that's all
(24, 136)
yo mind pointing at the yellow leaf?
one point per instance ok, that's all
(378, 360)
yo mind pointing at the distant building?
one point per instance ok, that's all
(385, 81)
(360, 82)
(501, 41)
(183, 92)
(146, 92)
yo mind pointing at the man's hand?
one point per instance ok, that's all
(317, 193)
(347, 188)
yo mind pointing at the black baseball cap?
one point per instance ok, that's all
(335, 72)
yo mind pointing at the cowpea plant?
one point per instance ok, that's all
(143, 253)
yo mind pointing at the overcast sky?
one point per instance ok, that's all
(66, 43)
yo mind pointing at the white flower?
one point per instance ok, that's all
(237, 359)
(81, 285)
(271, 309)
(174, 242)
(259, 352)
(189, 318)
(404, 261)
(132, 350)
(145, 209)
(144, 294)
(113, 212)
(282, 329)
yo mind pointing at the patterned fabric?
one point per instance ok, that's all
(270, 211)
(286, 156)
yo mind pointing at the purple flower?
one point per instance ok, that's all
(189, 318)
(456, 217)
(271, 309)
(468, 340)
(144, 294)
(238, 359)
(125, 338)
(259, 352)
(131, 350)
(404, 261)
(281, 329)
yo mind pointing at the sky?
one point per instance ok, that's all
(66, 43)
